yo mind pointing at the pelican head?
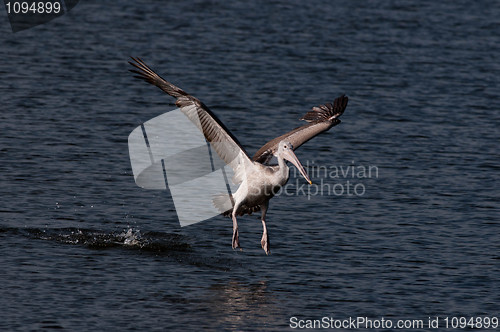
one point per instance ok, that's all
(285, 151)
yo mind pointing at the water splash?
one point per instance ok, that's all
(97, 239)
(131, 237)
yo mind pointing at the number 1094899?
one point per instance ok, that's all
(36, 7)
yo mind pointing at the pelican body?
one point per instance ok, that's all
(257, 178)
(260, 185)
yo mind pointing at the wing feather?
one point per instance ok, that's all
(221, 139)
(320, 119)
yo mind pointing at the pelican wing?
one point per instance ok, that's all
(320, 119)
(222, 141)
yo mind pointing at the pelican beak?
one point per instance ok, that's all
(291, 157)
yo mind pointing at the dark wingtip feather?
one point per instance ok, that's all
(144, 72)
(327, 112)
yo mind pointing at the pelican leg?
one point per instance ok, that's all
(236, 238)
(265, 238)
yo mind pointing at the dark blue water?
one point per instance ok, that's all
(83, 248)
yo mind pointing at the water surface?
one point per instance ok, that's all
(83, 248)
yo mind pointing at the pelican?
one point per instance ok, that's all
(258, 177)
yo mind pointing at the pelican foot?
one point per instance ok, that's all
(265, 243)
(236, 239)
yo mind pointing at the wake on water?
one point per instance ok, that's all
(96, 239)
(170, 245)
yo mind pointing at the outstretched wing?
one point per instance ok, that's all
(320, 119)
(223, 142)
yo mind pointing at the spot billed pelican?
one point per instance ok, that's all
(257, 177)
